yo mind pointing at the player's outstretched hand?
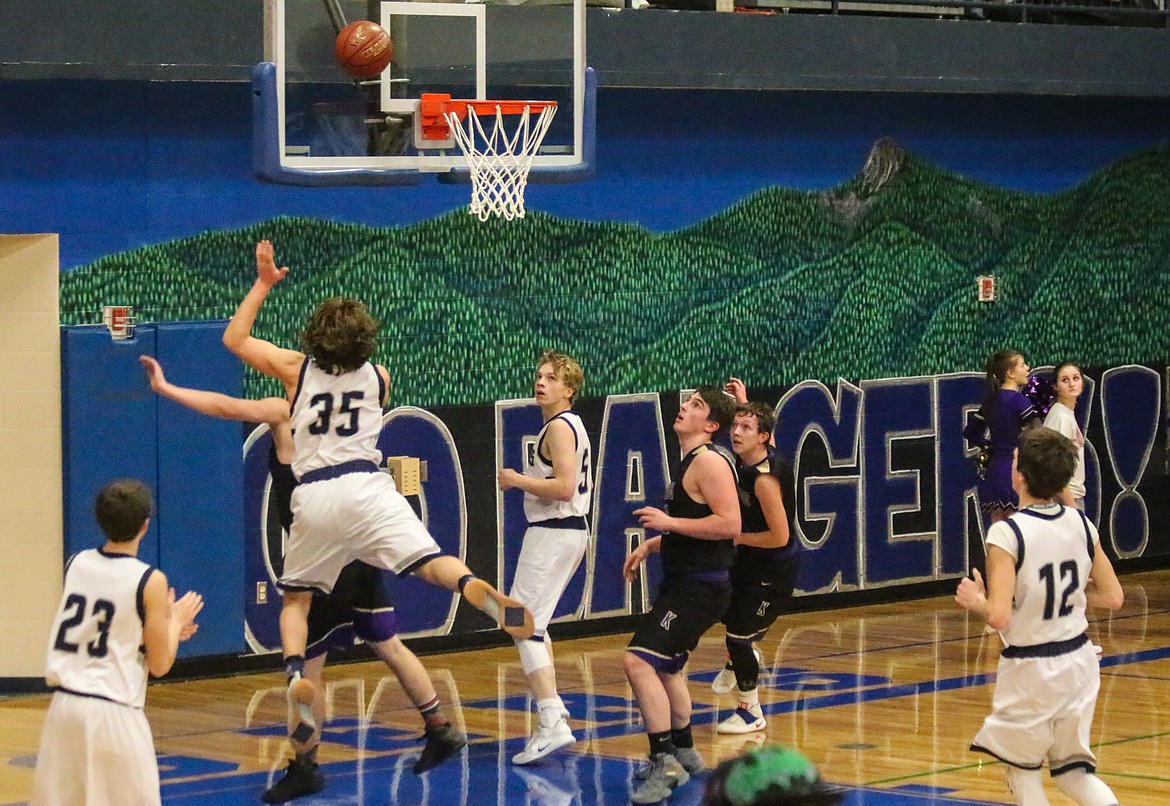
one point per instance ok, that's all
(184, 610)
(971, 591)
(154, 371)
(737, 389)
(266, 270)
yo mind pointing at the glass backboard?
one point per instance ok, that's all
(316, 124)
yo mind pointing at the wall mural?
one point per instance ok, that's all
(873, 278)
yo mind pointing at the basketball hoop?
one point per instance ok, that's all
(498, 155)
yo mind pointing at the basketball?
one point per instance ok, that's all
(364, 49)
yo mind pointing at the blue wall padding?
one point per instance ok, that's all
(108, 415)
(115, 426)
(200, 485)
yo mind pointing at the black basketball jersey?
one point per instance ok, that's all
(280, 493)
(752, 514)
(683, 554)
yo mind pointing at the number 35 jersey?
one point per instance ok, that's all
(1053, 547)
(336, 418)
(95, 646)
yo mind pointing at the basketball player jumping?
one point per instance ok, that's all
(556, 499)
(344, 508)
(359, 604)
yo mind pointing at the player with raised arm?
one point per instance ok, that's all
(117, 621)
(557, 489)
(344, 508)
(695, 539)
(359, 604)
(1044, 567)
(766, 560)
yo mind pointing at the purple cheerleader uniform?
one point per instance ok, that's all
(999, 430)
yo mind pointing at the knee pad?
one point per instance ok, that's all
(1085, 788)
(533, 655)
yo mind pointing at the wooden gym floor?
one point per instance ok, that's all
(884, 699)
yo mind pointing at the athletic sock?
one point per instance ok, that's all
(750, 698)
(308, 756)
(294, 667)
(432, 713)
(550, 711)
(661, 743)
(681, 737)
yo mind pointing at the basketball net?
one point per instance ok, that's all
(499, 161)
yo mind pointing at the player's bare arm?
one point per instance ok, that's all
(767, 489)
(562, 448)
(261, 355)
(384, 374)
(167, 622)
(638, 556)
(737, 389)
(709, 480)
(992, 601)
(271, 410)
(1104, 589)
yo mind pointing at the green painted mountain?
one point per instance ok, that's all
(874, 278)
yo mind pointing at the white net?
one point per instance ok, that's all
(500, 160)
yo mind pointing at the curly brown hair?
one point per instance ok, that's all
(341, 334)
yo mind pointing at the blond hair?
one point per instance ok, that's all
(567, 371)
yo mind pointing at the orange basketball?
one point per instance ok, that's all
(364, 49)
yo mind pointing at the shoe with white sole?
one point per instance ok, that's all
(746, 719)
(724, 682)
(662, 777)
(545, 741)
(687, 757)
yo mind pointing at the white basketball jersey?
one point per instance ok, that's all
(543, 509)
(336, 418)
(1053, 547)
(95, 646)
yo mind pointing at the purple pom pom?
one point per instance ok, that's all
(1041, 391)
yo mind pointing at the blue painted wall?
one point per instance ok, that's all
(115, 165)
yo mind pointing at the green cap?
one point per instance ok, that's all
(780, 767)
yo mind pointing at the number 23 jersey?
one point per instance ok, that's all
(1053, 547)
(95, 646)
